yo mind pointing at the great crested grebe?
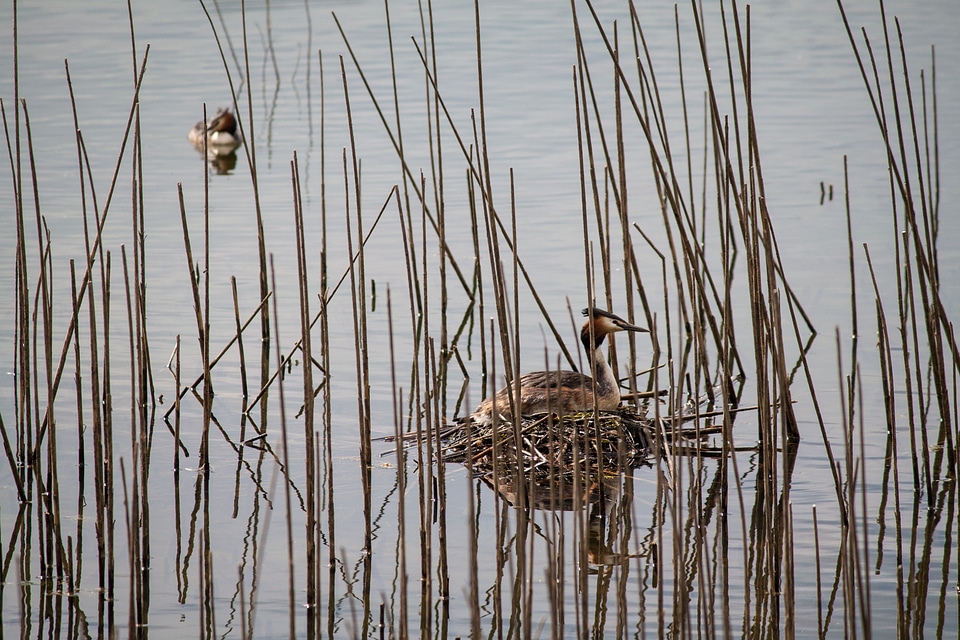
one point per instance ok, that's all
(222, 132)
(566, 392)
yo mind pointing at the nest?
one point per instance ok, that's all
(546, 449)
(561, 462)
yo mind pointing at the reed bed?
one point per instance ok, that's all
(658, 519)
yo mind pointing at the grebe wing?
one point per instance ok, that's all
(554, 380)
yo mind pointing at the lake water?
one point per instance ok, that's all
(811, 111)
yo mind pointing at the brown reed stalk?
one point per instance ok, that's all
(425, 428)
(207, 622)
(308, 394)
(396, 110)
(515, 345)
(473, 587)
(415, 394)
(440, 375)
(132, 504)
(358, 293)
(888, 385)
(176, 420)
(498, 279)
(323, 316)
(241, 352)
(202, 313)
(22, 330)
(143, 395)
(8, 451)
(21, 295)
(203, 322)
(132, 622)
(440, 490)
(863, 574)
(398, 433)
(48, 518)
(138, 234)
(181, 587)
(291, 599)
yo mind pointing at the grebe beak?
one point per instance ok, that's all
(606, 322)
(623, 325)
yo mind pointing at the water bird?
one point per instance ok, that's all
(223, 135)
(566, 392)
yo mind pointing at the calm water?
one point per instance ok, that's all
(812, 111)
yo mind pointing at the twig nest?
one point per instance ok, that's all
(547, 448)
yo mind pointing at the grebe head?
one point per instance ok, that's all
(603, 323)
(223, 120)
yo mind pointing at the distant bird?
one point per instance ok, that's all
(223, 135)
(566, 392)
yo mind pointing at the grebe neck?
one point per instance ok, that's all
(602, 373)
